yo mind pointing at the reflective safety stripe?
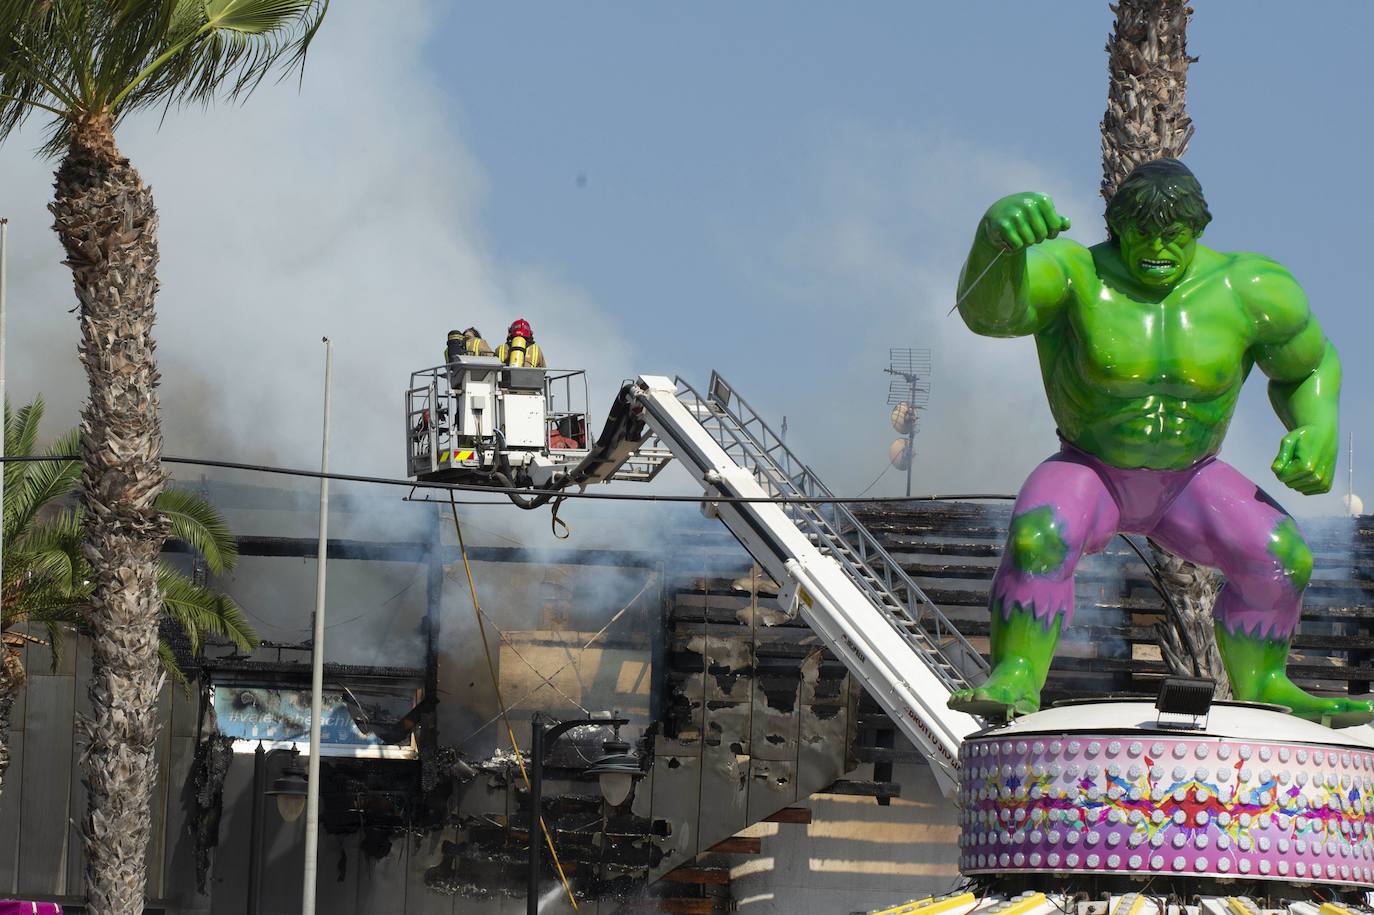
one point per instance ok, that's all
(456, 455)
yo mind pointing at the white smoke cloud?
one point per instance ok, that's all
(351, 208)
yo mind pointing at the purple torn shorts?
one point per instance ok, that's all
(1209, 514)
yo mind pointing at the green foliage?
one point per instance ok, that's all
(46, 577)
(197, 522)
(83, 58)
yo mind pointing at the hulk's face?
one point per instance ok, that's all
(1157, 259)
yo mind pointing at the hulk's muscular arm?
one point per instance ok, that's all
(1303, 369)
(1027, 286)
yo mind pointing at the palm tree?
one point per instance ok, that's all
(87, 64)
(47, 581)
(1146, 119)
(1147, 66)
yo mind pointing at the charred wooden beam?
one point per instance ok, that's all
(860, 788)
(700, 876)
(738, 845)
(797, 815)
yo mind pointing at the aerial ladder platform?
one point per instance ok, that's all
(476, 422)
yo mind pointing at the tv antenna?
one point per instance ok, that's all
(909, 393)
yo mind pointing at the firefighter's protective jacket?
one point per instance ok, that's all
(476, 346)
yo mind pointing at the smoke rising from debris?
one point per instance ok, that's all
(350, 208)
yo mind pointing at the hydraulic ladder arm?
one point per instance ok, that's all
(861, 634)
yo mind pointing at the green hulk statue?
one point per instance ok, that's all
(1145, 341)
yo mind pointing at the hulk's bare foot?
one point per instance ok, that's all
(1011, 690)
(1332, 711)
(1257, 668)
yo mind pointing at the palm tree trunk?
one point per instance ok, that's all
(105, 218)
(11, 682)
(1188, 636)
(1147, 65)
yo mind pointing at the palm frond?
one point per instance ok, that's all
(56, 642)
(168, 657)
(45, 482)
(21, 426)
(233, 46)
(141, 25)
(21, 435)
(51, 549)
(83, 58)
(35, 69)
(44, 602)
(56, 611)
(201, 611)
(198, 522)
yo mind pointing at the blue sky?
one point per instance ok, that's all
(776, 190)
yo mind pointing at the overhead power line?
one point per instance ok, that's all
(518, 490)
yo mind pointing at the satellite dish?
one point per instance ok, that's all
(1354, 505)
(899, 454)
(903, 418)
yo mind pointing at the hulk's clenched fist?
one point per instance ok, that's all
(1022, 220)
(1145, 341)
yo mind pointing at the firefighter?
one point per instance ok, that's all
(463, 343)
(520, 348)
(466, 343)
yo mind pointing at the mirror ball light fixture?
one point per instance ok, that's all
(617, 770)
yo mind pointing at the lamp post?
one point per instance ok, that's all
(616, 772)
(290, 790)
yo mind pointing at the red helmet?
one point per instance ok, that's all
(519, 328)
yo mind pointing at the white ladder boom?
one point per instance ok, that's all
(862, 615)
